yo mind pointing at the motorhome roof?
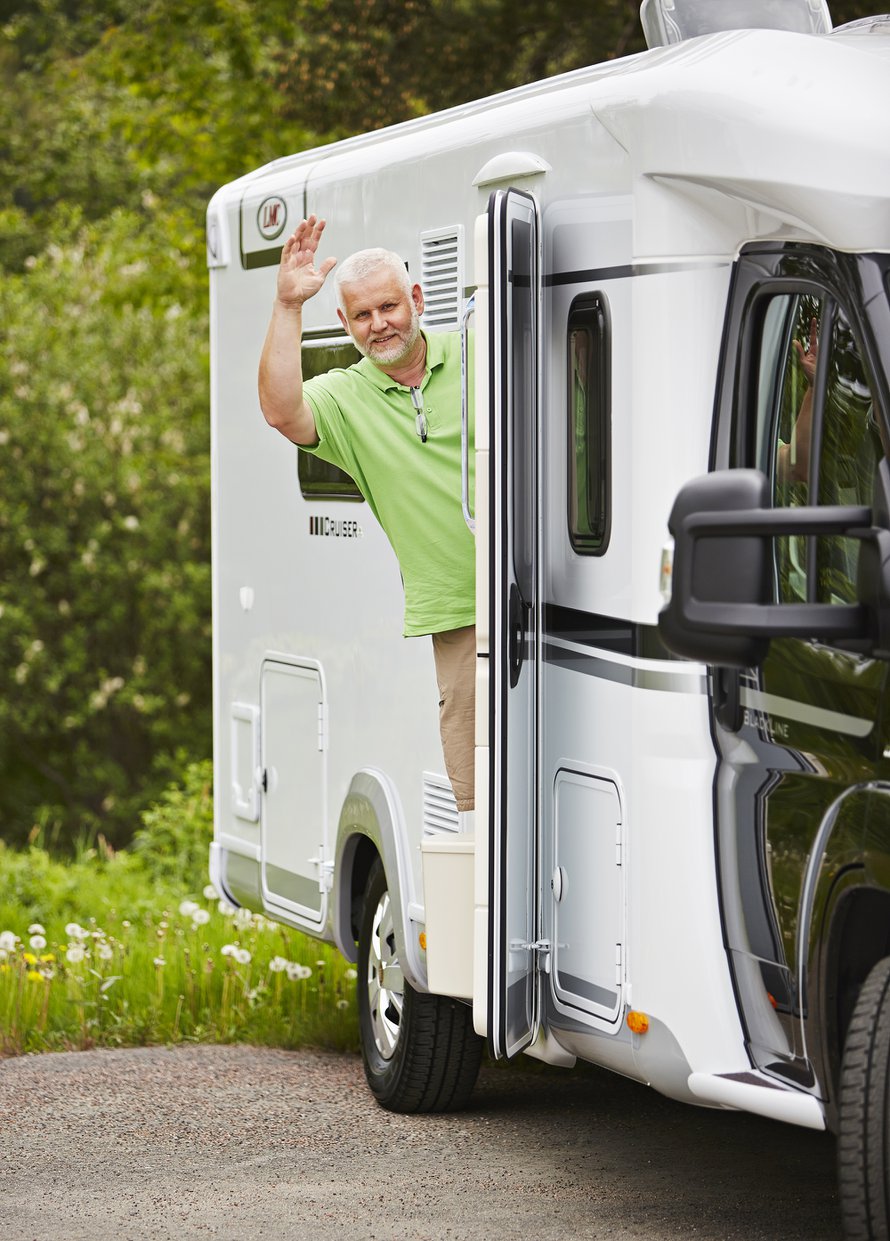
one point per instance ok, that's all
(788, 128)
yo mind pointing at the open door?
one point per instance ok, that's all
(514, 283)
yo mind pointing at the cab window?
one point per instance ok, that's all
(816, 435)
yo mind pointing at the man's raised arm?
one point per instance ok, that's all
(281, 368)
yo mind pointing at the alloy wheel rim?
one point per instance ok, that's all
(386, 987)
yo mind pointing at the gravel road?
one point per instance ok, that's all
(243, 1143)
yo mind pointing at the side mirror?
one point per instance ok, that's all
(722, 608)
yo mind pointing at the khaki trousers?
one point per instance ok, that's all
(455, 655)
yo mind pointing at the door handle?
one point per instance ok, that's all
(517, 616)
(728, 698)
(465, 416)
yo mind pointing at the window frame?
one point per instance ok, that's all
(319, 480)
(590, 312)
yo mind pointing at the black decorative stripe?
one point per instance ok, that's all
(593, 274)
(607, 633)
(261, 258)
(621, 272)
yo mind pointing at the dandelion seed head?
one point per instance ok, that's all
(75, 953)
(37, 942)
(200, 918)
(228, 950)
(343, 1004)
(75, 931)
(36, 929)
(159, 962)
(278, 964)
(243, 919)
(242, 956)
(227, 910)
(105, 952)
(8, 940)
(188, 908)
(210, 893)
(351, 975)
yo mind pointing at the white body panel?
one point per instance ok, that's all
(649, 175)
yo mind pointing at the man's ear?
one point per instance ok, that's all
(417, 298)
(342, 318)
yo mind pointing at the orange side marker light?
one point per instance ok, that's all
(637, 1023)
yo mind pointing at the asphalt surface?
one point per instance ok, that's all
(243, 1143)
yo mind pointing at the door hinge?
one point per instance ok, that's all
(322, 726)
(617, 844)
(325, 872)
(618, 963)
(541, 948)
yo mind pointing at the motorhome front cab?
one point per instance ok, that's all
(679, 867)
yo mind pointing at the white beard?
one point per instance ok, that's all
(397, 350)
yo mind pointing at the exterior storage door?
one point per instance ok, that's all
(293, 817)
(513, 707)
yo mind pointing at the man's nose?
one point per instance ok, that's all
(378, 320)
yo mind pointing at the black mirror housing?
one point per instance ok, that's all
(721, 609)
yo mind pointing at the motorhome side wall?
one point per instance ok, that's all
(280, 590)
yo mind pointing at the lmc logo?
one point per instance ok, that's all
(271, 217)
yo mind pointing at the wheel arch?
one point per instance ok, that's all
(856, 938)
(372, 825)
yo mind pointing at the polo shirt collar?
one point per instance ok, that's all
(435, 357)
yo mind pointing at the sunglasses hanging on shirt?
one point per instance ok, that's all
(419, 420)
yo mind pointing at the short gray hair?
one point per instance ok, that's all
(363, 263)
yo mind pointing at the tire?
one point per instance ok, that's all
(420, 1051)
(864, 1130)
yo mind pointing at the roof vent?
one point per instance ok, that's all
(674, 21)
(441, 276)
(439, 806)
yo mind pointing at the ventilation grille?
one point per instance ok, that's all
(441, 276)
(439, 806)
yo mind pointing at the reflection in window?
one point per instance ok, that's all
(797, 319)
(589, 425)
(319, 480)
(848, 461)
(835, 407)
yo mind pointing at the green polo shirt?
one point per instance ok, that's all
(366, 425)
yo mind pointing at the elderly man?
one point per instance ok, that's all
(391, 421)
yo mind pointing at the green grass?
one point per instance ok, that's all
(111, 950)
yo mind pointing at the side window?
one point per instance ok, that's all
(815, 435)
(318, 479)
(589, 420)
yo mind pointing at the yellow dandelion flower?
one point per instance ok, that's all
(48, 956)
(35, 975)
(30, 958)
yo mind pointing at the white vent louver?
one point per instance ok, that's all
(441, 276)
(439, 806)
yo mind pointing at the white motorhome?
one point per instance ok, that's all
(680, 868)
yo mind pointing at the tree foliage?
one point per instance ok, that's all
(118, 119)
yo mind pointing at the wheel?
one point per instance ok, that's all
(421, 1053)
(864, 1130)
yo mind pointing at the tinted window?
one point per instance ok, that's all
(816, 435)
(589, 424)
(318, 479)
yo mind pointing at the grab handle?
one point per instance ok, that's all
(465, 418)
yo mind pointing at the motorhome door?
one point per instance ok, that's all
(513, 488)
(293, 775)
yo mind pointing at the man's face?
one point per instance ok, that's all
(382, 320)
